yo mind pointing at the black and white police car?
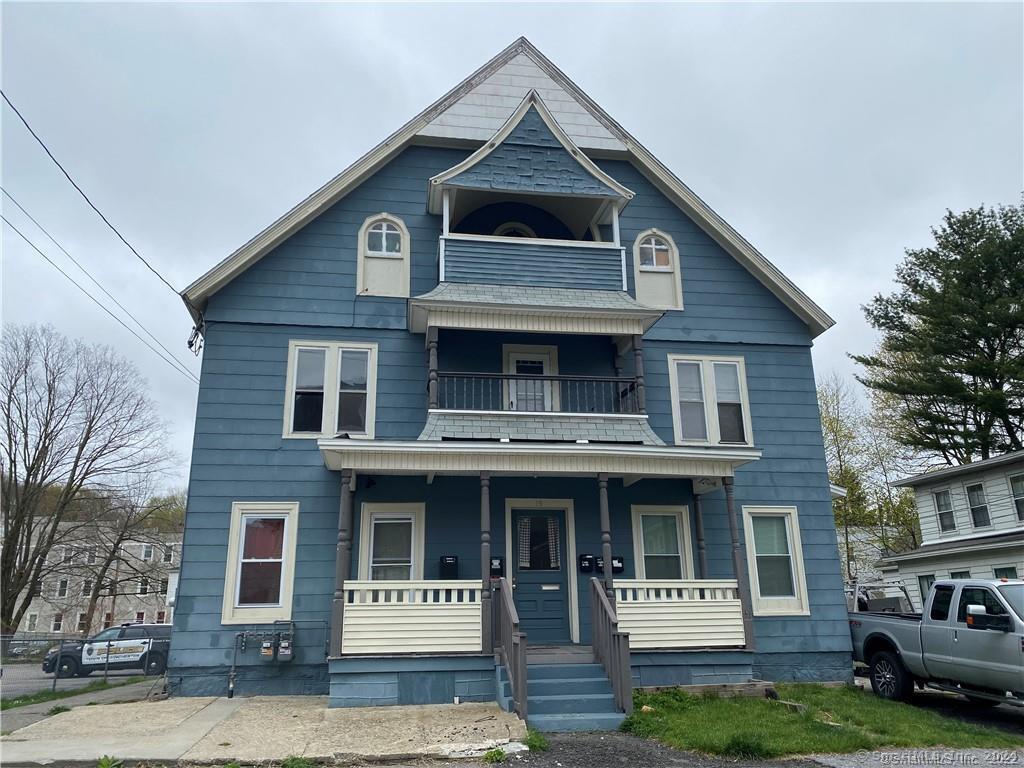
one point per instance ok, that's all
(131, 646)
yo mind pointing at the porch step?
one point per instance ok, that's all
(608, 721)
(571, 704)
(564, 671)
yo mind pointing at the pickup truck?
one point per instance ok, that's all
(969, 640)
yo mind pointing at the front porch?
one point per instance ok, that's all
(547, 561)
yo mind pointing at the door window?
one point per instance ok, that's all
(391, 547)
(978, 596)
(940, 605)
(530, 394)
(539, 538)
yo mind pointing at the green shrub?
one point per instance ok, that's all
(108, 762)
(536, 741)
(496, 755)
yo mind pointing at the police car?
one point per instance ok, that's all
(130, 646)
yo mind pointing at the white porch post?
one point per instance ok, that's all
(342, 561)
(739, 564)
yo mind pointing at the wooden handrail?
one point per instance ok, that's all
(512, 645)
(611, 647)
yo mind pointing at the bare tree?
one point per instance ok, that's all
(75, 421)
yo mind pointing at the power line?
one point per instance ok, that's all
(97, 302)
(85, 196)
(96, 282)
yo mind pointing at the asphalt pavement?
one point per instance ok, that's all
(21, 678)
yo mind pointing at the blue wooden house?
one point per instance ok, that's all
(505, 412)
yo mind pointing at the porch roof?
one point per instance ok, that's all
(418, 457)
(613, 428)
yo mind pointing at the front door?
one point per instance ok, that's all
(529, 394)
(540, 575)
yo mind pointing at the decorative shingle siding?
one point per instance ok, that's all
(531, 159)
(533, 295)
(532, 264)
(552, 427)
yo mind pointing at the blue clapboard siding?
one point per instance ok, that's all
(526, 263)
(531, 159)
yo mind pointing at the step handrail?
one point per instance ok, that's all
(512, 645)
(611, 647)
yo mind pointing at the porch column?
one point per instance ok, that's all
(638, 365)
(487, 646)
(432, 367)
(702, 555)
(606, 536)
(342, 561)
(739, 564)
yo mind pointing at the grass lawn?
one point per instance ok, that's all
(836, 720)
(42, 696)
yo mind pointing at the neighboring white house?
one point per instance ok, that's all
(972, 524)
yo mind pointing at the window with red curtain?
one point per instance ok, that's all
(259, 575)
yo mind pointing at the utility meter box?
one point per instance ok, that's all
(267, 650)
(285, 648)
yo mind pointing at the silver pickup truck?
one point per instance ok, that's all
(969, 640)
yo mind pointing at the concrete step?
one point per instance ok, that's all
(590, 703)
(598, 721)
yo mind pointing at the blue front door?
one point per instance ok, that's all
(540, 575)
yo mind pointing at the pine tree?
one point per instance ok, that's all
(952, 349)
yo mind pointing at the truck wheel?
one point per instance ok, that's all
(66, 667)
(889, 678)
(155, 664)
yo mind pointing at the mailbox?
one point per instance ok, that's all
(497, 567)
(618, 564)
(586, 563)
(449, 567)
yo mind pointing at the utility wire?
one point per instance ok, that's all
(85, 196)
(96, 282)
(97, 302)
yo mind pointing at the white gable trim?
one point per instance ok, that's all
(196, 294)
(532, 99)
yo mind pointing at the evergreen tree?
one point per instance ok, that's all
(952, 349)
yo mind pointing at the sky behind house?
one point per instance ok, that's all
(831, 136)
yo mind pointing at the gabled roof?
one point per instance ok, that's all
(487, 168)
(947, 473)
(428, 124)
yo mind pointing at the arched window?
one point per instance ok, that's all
(383, 257)
(514, 229)
(656, 271)
(384, 240)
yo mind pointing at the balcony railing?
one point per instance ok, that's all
(537, 394)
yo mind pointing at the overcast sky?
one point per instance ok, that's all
(831, 136)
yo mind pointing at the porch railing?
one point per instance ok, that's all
(512, 645)
(536, 393)
(412, 617)
(611, 646)
(680, 613)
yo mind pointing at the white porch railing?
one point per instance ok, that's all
(411, 617)
(679, 614)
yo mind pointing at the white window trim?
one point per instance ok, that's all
(777, 606)
(674, 269)
(147, 552)
(988, 505)
(143, 586)
(952, 509)
(332, 373)
(138, 620)
(710, 398)
(502, 228)
(370, 510)
(168, 550)
(1013, 499)
(57, 626)
(233, 614)
(67, 588)
(511, 351)
(682, 516)
(32, 622)
(402, 290)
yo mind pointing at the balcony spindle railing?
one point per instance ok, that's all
(537, 393)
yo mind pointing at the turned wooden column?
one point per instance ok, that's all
(342, 561)
(702, 555)
(739, 564)
(638, 365)
(606, 535)
(487, 645)
(432, 367)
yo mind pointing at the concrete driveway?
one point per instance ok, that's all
(21, 678)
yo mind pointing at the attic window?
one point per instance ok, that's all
(384, 241)
(655, 255)
(656, 270)
(383, 257)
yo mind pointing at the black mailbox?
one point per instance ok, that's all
(449, 567)
(618, 564)
(497, 567)
(586, 563)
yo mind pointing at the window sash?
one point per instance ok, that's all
(348, 370)
(394, 567)
(1017, 491)
(32, 623)
(693, 417)
(979, 505)
(944, 508)
(58, 622)
(354, 391)
(718, 399)
(774, 559)
(384, 241)
(255, 563)
(62, 588)
(655, 255)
